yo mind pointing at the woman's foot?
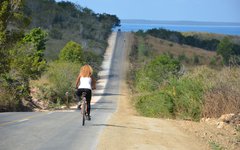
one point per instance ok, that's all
(79, 105)
(88, 117)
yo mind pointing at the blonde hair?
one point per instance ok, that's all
(86, 71)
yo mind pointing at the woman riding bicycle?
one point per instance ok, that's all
(86, 83)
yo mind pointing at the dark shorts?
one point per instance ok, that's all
(88, 91)
(88, 97)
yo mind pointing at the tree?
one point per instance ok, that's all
(72, 52)
(25, 62)
(10, 16)
(225, 49)
(27, 58)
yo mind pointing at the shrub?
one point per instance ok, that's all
(183, 58)
(7, 100)
(153, 74)
(72, 52)
(62, 77)
(225, 49)
(196, 59)
(213, 61)
(181, 98)
(186, 95)
(154, 104)
(176, 97)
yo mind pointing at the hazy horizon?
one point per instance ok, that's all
(171, 10)
(177, 21)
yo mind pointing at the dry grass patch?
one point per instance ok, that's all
(163, 46)
(224, 96)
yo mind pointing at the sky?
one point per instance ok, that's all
(167, 10)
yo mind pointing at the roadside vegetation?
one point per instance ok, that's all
(175, 80)
(43, 44)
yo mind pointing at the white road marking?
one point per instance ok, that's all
(106, 65)
(23, 120)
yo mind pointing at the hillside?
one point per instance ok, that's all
(33, 34)
(161, 46)
(66, 21)
(201, 35)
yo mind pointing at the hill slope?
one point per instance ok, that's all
(67, 21)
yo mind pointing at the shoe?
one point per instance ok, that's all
(88, 117)
(79, 105)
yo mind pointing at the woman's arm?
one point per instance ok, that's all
(93, 83)
(78, 81)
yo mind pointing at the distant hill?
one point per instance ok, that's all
(138, 21)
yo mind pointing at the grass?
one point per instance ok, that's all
(215, 146)
(223, 94)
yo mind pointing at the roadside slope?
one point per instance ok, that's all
(127, 130)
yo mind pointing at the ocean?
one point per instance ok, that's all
(228, 30)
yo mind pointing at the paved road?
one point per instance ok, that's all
(63, 130)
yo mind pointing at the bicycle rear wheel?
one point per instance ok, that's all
(83, 112)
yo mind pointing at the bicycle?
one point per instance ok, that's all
(84, 107)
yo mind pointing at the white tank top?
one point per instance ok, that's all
(85, 83)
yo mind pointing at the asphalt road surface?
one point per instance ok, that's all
(64, 130)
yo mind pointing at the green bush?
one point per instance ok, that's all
(225, 49)
(155, 104)
(9, 99)
(186, 95)
(150, 77)
(175, 97)
(62, 77)
(72, 52)
(181, 98)
(213, 61)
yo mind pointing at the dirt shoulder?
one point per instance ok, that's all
(128, 130)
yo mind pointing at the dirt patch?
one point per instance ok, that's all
(214, 132)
